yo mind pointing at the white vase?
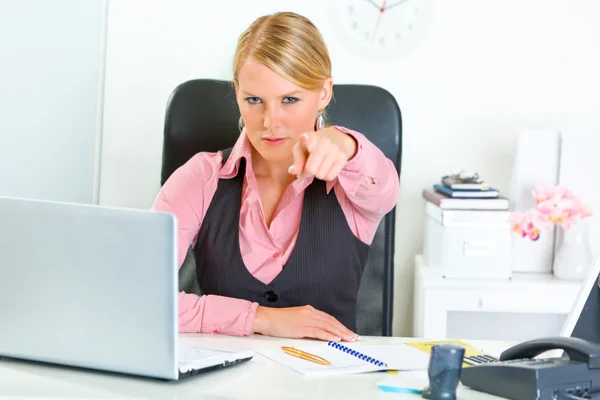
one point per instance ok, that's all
(574, 257)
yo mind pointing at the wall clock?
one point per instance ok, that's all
(380, 28)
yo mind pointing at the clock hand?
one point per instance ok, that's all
(381, 10)
(396, 4)
(374, 4)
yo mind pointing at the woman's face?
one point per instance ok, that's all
(276, 111)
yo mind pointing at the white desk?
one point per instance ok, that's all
(259, 378)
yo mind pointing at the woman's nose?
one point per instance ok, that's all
(271, 118)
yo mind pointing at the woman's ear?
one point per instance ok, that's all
(326, 92)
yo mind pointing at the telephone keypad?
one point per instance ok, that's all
(480, 359)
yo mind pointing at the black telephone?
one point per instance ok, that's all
(518, 376)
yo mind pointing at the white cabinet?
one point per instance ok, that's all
(527, 306)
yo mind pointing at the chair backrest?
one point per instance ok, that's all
(202, 115)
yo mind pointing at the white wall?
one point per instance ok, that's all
(51, 60)
(486, 70)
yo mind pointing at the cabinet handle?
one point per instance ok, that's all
(479, 248)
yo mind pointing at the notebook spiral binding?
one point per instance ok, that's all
(357, 354)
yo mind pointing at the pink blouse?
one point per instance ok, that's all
(366, 188)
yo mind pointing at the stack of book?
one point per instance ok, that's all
(459, 192)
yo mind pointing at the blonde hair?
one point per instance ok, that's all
(289, 44)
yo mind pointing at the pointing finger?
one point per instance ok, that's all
(307, 142)
(300, 157)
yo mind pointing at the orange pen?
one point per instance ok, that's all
(292, 351)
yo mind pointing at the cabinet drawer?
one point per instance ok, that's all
(555, 302)
(526, 301)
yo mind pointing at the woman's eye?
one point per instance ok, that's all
(253, 100)
(290, 99)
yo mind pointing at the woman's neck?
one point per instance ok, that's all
(275, 171)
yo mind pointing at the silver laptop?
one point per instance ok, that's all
(95, 287)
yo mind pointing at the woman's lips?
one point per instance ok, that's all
(274, 141)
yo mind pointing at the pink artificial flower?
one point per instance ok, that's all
(539, 219)
(533, 234)
(542, 193)
(524, 224)
(516, 217)
(553, 212)
(564, 208)
(553, 193)
(530, 228)
(516, 223)
(554, 205)
(576, 213)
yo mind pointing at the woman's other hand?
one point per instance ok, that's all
(300, 322)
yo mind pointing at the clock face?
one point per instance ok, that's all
(380, 27)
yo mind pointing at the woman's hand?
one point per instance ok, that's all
(300, 322)
(322, 154)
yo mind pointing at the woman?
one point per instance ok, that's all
(281, 223)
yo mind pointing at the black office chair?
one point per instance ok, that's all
(202, 115)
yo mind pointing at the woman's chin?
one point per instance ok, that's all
(275, 154)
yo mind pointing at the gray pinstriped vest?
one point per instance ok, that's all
(324, 269)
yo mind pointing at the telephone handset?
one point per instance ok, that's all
(519, 376)
(577, 349)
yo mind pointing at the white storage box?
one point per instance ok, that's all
(468, 243)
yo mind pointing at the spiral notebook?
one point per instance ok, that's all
(351, 358)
